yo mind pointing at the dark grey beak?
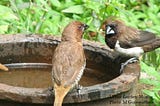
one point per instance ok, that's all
(86, 26)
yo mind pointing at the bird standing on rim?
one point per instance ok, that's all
(4, 68)
(68, 60)
(126, 40)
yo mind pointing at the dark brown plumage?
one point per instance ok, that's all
(4, 68)
(68, 61)
(126, 37)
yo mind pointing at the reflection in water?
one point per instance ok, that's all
(41, 78)
(33, 76)
(28, 75)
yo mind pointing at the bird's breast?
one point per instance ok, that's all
(80, 73)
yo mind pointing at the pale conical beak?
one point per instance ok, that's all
(109, 30)
(86, 26)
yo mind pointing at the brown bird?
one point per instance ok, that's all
(4, 68)
(126, 40)
(68, 60)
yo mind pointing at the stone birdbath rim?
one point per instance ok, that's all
(120, 84)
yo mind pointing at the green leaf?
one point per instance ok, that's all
(150, 93)
(3, 29)
(150, 82)
(6, 13)
(157, 94)
(78, 9)
(94, 6)
(150, 70)
(154, 93)
(101, 39)
(56, 3)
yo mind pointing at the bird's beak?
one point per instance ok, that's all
(86, 26)
(109, 30)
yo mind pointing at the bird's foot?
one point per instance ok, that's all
(50, 90)
(129, 61)
(78, 88)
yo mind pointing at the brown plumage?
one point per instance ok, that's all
(4, 68)
(68, 61)
(128, 37)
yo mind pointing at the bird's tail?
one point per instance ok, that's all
(154, 45)
(2, 67)
(60, 93)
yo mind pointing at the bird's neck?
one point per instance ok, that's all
(70, 40)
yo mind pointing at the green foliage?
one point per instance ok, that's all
(153, 58)
(5, 18)
(153, 81)
(51, 16)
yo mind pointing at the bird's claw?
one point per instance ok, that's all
(78, 88)
(49, 91)
(50, 88)
(129, 61)
(132, 60)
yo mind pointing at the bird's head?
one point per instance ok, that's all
(74, 31)
(112, 29)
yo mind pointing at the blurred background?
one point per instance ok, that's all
(51, 16)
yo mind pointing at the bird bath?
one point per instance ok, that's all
(29, 78)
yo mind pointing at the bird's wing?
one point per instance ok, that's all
(68, 63)
(144, 38)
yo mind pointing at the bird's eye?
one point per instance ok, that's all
(114, 25)
(80, 27)
(83, 27)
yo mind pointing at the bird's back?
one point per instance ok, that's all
(68, 63)
(145, 38)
